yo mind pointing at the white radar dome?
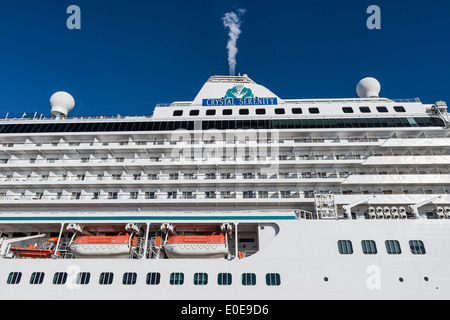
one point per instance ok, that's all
(62, 103)
(368, 88)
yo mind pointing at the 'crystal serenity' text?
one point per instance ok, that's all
(240, 102)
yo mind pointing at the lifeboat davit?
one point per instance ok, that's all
(35, 252)
(189, 247)
(103, 246)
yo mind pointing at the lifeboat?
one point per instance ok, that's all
(35, 252)
(103, 246)
(189, 247)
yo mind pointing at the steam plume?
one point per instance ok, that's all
(232, 21)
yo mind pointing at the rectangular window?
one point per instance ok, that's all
(249, 195)
(37, 278)
(187, 195)
(273, 279)
(225, 194)
(150, 195)
(417, 247)
(112, 195)
(134, 195)
(129, 278)
(176, 278)
(83, 278)
(210, 194)
(263, 194)
(345, 247)
(14, 278)
(201, 279)
(173, 176)
(347, 109)
(369, 247)
(248, 279)
(75, 196)
(285, 194)
(171, 195)
(393, 247)
(153, 278)
(224, 279)
(60, 278)
(106, 278)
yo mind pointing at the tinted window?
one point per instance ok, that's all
(347, 109)
(345, 247)
(417, 247)
(14, 278)
(248, 279)
(399, 109)
(382, 109)
(227, 112)
(393, 247)
(260, 111)
(369, 247)
(243, 111)
(280, 111)
(201, 279)
(365, 109)
(129, 278)
(211, 112)
(153, 278)
(37, 278)
(314, 110)
(273, 279)
(297, 111)
(224, 279)
(60, 278)
(106, 278)
(177, 278)
(83, 278)
(194, 112)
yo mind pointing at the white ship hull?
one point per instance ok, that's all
(304, 253)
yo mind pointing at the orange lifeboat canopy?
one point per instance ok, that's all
(197, 239)
(120, 239)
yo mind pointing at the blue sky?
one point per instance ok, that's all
(131, 55)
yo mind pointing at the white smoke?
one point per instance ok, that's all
(232, 21)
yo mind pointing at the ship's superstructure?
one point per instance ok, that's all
(238, 194)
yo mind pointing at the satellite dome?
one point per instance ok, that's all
(62, 103)
(368, 88)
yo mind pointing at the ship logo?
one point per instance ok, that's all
(239, 92)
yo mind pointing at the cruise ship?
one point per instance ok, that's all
(236, 195)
